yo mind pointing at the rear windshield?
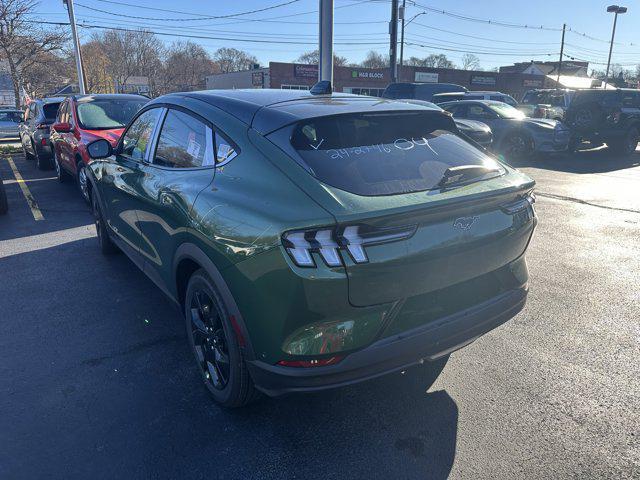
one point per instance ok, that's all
(108, 113)
(384, 154)
(50, 111)
(399, 90)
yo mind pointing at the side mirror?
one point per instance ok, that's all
(99, 149)
(61, 127)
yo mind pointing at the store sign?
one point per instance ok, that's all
(530, 82)
(425, 77)
(257, 79)
(483, 80)
(305, 71)
(367, 74)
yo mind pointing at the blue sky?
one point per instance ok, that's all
(361, 26)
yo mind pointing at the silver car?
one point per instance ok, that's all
(514, 134)
(9, 123)
(34, 130)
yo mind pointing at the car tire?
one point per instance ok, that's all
(83, 181)
(587, 117)
(627, 144)
(215, 346)
(4, 204)
(517, 145)
(61, 174)
(41, 163)
(107, 247)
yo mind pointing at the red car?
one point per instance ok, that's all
(82, 119)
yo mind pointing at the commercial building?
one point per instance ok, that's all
(372, 81)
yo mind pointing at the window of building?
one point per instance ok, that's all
(295, 87)
(371, 92)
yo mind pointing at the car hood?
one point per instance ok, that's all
(112, 135)
(541, 122)
(471, 124)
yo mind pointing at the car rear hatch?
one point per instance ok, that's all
(403, 231)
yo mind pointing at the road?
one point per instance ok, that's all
(96, 379)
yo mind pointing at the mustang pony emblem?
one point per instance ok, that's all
(464, 223)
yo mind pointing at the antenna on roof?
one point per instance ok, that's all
(321, 88)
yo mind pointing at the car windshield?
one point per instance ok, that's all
(10, 116)
(98, 114)
(385, 154)
(506, 111)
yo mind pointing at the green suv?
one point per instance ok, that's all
(313, 241)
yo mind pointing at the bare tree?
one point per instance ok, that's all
(433, 60)
(470, 62)
(96, 67)
(313, 58)
(23, 44)
(233, 60)
(186, 66)
(375, 60)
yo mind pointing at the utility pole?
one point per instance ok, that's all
(76, 45)
(615, 9)
(402, 17)
(393, 32)
(325, 37)
(564, 27)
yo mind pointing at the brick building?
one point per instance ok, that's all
(372, 81)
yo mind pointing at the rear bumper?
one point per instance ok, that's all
(427, 342)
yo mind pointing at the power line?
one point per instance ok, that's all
(440, 47)
(200, 16)
(481, 38)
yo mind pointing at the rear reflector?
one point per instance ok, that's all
(319, 362)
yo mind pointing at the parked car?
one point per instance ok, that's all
(514, 134)
(497, 96)
(10, 120)
(82, 119)
(34, 130)
(314, 241)
(546, 103)
(419, 91)
(477, 131)
(609, 116)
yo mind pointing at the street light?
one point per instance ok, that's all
(615, 9)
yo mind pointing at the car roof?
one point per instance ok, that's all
(107, 96)
(50, 99)
(267, 110)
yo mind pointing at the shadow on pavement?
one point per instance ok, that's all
(98, 382)
(60, 204)
(600, 160)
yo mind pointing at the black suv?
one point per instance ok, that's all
(606, 116)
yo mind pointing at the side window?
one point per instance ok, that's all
(479, 112)
(136, 139)
(184, 142)
(225, 152)
(457, 110)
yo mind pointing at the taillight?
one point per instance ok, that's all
(328, 242)
(43, 142)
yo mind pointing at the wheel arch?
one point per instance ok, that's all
(190, 258)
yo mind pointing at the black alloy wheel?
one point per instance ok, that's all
(215, 345)
(210, 340)
(107, 247)
(41, 163)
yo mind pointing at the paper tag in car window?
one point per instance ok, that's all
(193, 148)
(223, 151)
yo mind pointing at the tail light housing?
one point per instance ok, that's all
(328, 243)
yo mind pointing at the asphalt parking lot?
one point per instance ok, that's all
(96, 379)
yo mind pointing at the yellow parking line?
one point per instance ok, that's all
(37, 214)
